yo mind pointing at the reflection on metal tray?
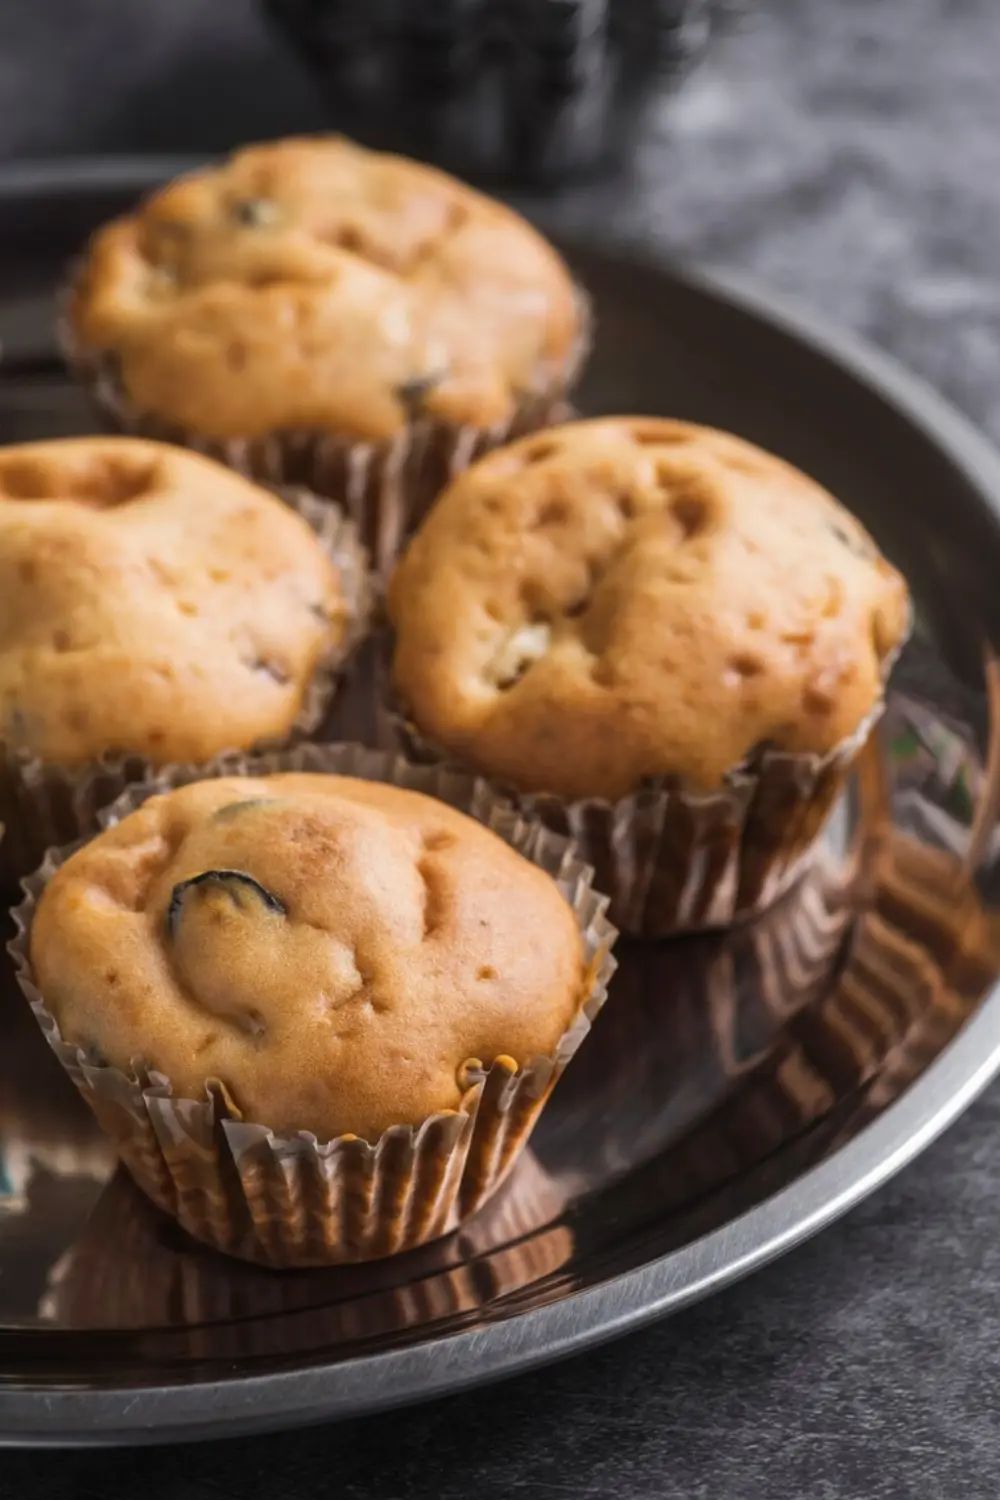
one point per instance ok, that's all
(738, 1091)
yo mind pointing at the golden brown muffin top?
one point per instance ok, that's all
(313, 284)
(629, 598)
(356, 946)
(152, 601)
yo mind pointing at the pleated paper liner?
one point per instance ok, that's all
(386, 487)
(42, 805)
(672, 860)
(132, 1268)
(292, 1200)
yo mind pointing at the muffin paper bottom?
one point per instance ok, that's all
(672, 860)
(292, 1200)
(43, 804)
(386, 487)
(130, 1269)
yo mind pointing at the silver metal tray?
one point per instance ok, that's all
(738, 1093)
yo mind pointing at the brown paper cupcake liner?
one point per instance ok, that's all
(42, 804)
(292, 1200)
(670, 859)
(131, 1268)
(386, 487)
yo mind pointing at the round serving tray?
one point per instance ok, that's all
(739, 1092)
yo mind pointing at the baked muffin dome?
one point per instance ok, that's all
(632, 598)
(312, 284)
(340, 955)
(153, 602)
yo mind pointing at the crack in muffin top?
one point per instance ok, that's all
(310, 284)
(624, 599)
(153, 602)
(341, 955)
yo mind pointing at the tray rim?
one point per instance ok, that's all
(66, 1417)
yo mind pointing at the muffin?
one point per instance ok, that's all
(318, 1014)
(315, 313)
(663, 640)
(156, 608)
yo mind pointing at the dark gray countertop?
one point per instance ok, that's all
(846, 151)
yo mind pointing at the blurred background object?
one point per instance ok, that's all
(509, 90)
(515, 91)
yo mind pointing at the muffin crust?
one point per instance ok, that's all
(154, 602)
(631, 598)
(311, 284)
(334, 952)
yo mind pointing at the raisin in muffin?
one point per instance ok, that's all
(660, 621)
(336, 960)
(319, 313)
(155, 607)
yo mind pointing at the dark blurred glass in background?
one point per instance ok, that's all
(504, 91)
